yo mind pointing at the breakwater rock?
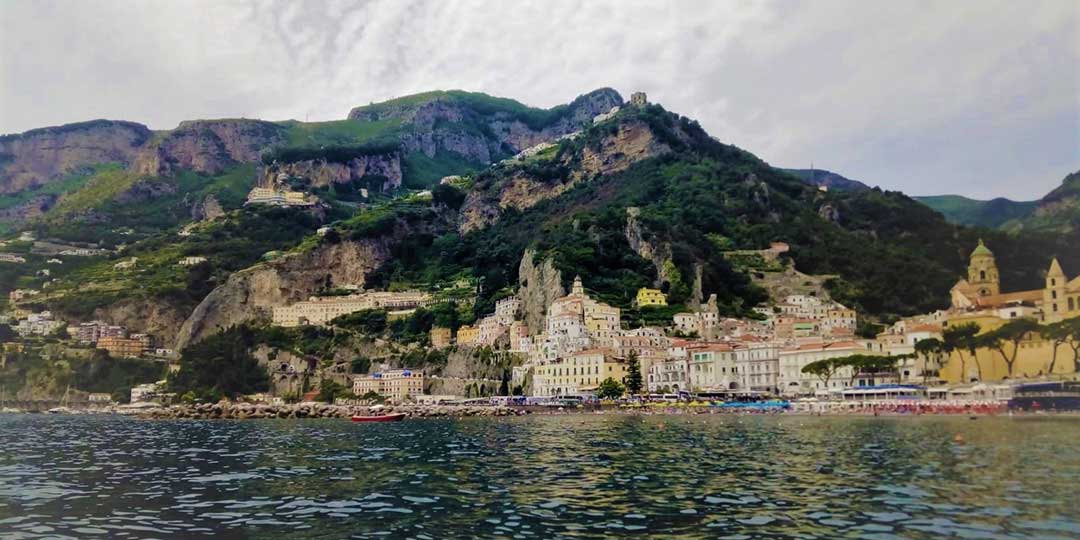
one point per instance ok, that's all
(241, 411)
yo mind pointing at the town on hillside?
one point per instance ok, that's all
(804, 350)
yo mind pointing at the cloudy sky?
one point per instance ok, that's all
(975, 97)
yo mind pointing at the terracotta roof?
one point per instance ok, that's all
(925, 328)
(1009, 298)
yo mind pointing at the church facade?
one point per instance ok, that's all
(981, 291)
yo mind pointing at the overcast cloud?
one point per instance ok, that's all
(975, 97)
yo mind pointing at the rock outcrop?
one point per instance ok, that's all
(159, 319)
(630, 142)
(656, 252)
(439, 123)
(379, 172)
(251, 294)
(43, 155)
(539, 284)
(207, 209)
(581, 111)
(208, 146)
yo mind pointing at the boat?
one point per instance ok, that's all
(392, 417)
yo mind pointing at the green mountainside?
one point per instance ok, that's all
(1058, 211)
(964, 211)
(643, 198)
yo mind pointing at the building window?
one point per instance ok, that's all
(1053, 282)
(1053, 294)
(982, 275)
(1072, 304)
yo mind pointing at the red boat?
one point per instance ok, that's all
(393, 417)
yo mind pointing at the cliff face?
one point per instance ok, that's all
(539, 284)
(382, 171)
(439, 123)
(581, 111)
(630, 142)
(252, 293)
(42, 155)
(208, 146)
(158, 319)
(646, 247)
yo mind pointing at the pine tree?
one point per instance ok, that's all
(633, 374)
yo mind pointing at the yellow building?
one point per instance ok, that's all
(395, 384)
(1032, 360)
(467, 335)
(581, 372)
(440, 337)
(650, 297)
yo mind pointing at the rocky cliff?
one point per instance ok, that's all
(43, 155)
(481, 128)
(519, 186)
(252, 293)
(580, 112)
(208, 146)
(379, 172)
(539, 284)
(649, 248)
(159, 319)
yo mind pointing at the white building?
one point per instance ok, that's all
(793, 381)
(192, 260)
(669, 376)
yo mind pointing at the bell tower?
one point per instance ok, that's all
(983, 271)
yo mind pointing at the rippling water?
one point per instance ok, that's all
(541, 477)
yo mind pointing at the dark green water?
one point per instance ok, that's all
(541, 477)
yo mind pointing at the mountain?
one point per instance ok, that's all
(1058, 211)
(991, 214)
(529, 198)
(406, 142)
(828, 179)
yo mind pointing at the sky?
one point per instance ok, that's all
(976, 97)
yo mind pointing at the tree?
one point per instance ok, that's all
(927, 349)
(360, 364)
(1011, 332)
(220, 366)
(823, 369)
(330, 390)
(1057, 334)
(960, 338)
(610, 389)
(633, 373)
(1072, 326)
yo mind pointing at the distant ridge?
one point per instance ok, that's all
(829, 179)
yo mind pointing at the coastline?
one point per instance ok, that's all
(250, 411)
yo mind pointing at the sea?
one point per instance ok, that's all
(573, 476)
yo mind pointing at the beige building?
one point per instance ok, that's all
(467, 335)
(122, 347)
(395, 385)
(440, 337)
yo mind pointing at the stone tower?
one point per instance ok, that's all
(638, 99)
(577, 289)
(1054, 295)
(983, 272)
